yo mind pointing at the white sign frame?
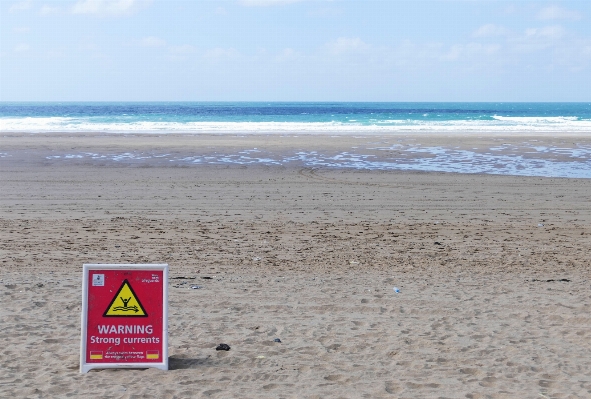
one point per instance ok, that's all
(87, 267)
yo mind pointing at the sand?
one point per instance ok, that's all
(493, 271)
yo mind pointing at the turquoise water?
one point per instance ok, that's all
(293, 117)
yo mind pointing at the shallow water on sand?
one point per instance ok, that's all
(507, 159)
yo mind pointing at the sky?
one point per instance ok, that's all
(290, 50)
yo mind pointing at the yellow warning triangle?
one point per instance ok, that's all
(125, 303)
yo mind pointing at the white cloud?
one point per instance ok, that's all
(454, 53)
(326, 12)
(571, 53)
(266, 3)
(85, 45)
(549, 32)
(20, 6)
(510, 9)
(541, 39)
(48, 10)
(287, 54)
(152, 41)
(344, 45)
(21, 48)
(555, 12)
(109, 7)
(184, 49)
(181, 52)
(221, 53)
(21, 29)
(470, 50)
(490, 30)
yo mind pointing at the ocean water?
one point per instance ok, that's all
(293, 117)
(364, 119)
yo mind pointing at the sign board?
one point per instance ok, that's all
(124, 316)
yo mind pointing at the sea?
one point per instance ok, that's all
(335, 119)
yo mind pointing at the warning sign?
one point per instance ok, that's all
(124, 317)
(125, 303)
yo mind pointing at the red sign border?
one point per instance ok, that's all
(87, 267)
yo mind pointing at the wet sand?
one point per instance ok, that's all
(551, 154)
(493, 273)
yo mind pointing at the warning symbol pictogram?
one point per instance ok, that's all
(125, 303)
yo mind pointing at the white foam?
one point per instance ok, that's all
(499, 124)
(536, 119)
(415, 157)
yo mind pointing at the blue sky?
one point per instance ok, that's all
(289, 50)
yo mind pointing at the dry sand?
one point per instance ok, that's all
(494, 274)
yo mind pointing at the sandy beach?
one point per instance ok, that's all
(493, 271)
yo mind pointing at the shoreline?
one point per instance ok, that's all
(341, 132)
(531, 155)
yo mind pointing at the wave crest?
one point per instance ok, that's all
(497, 124)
